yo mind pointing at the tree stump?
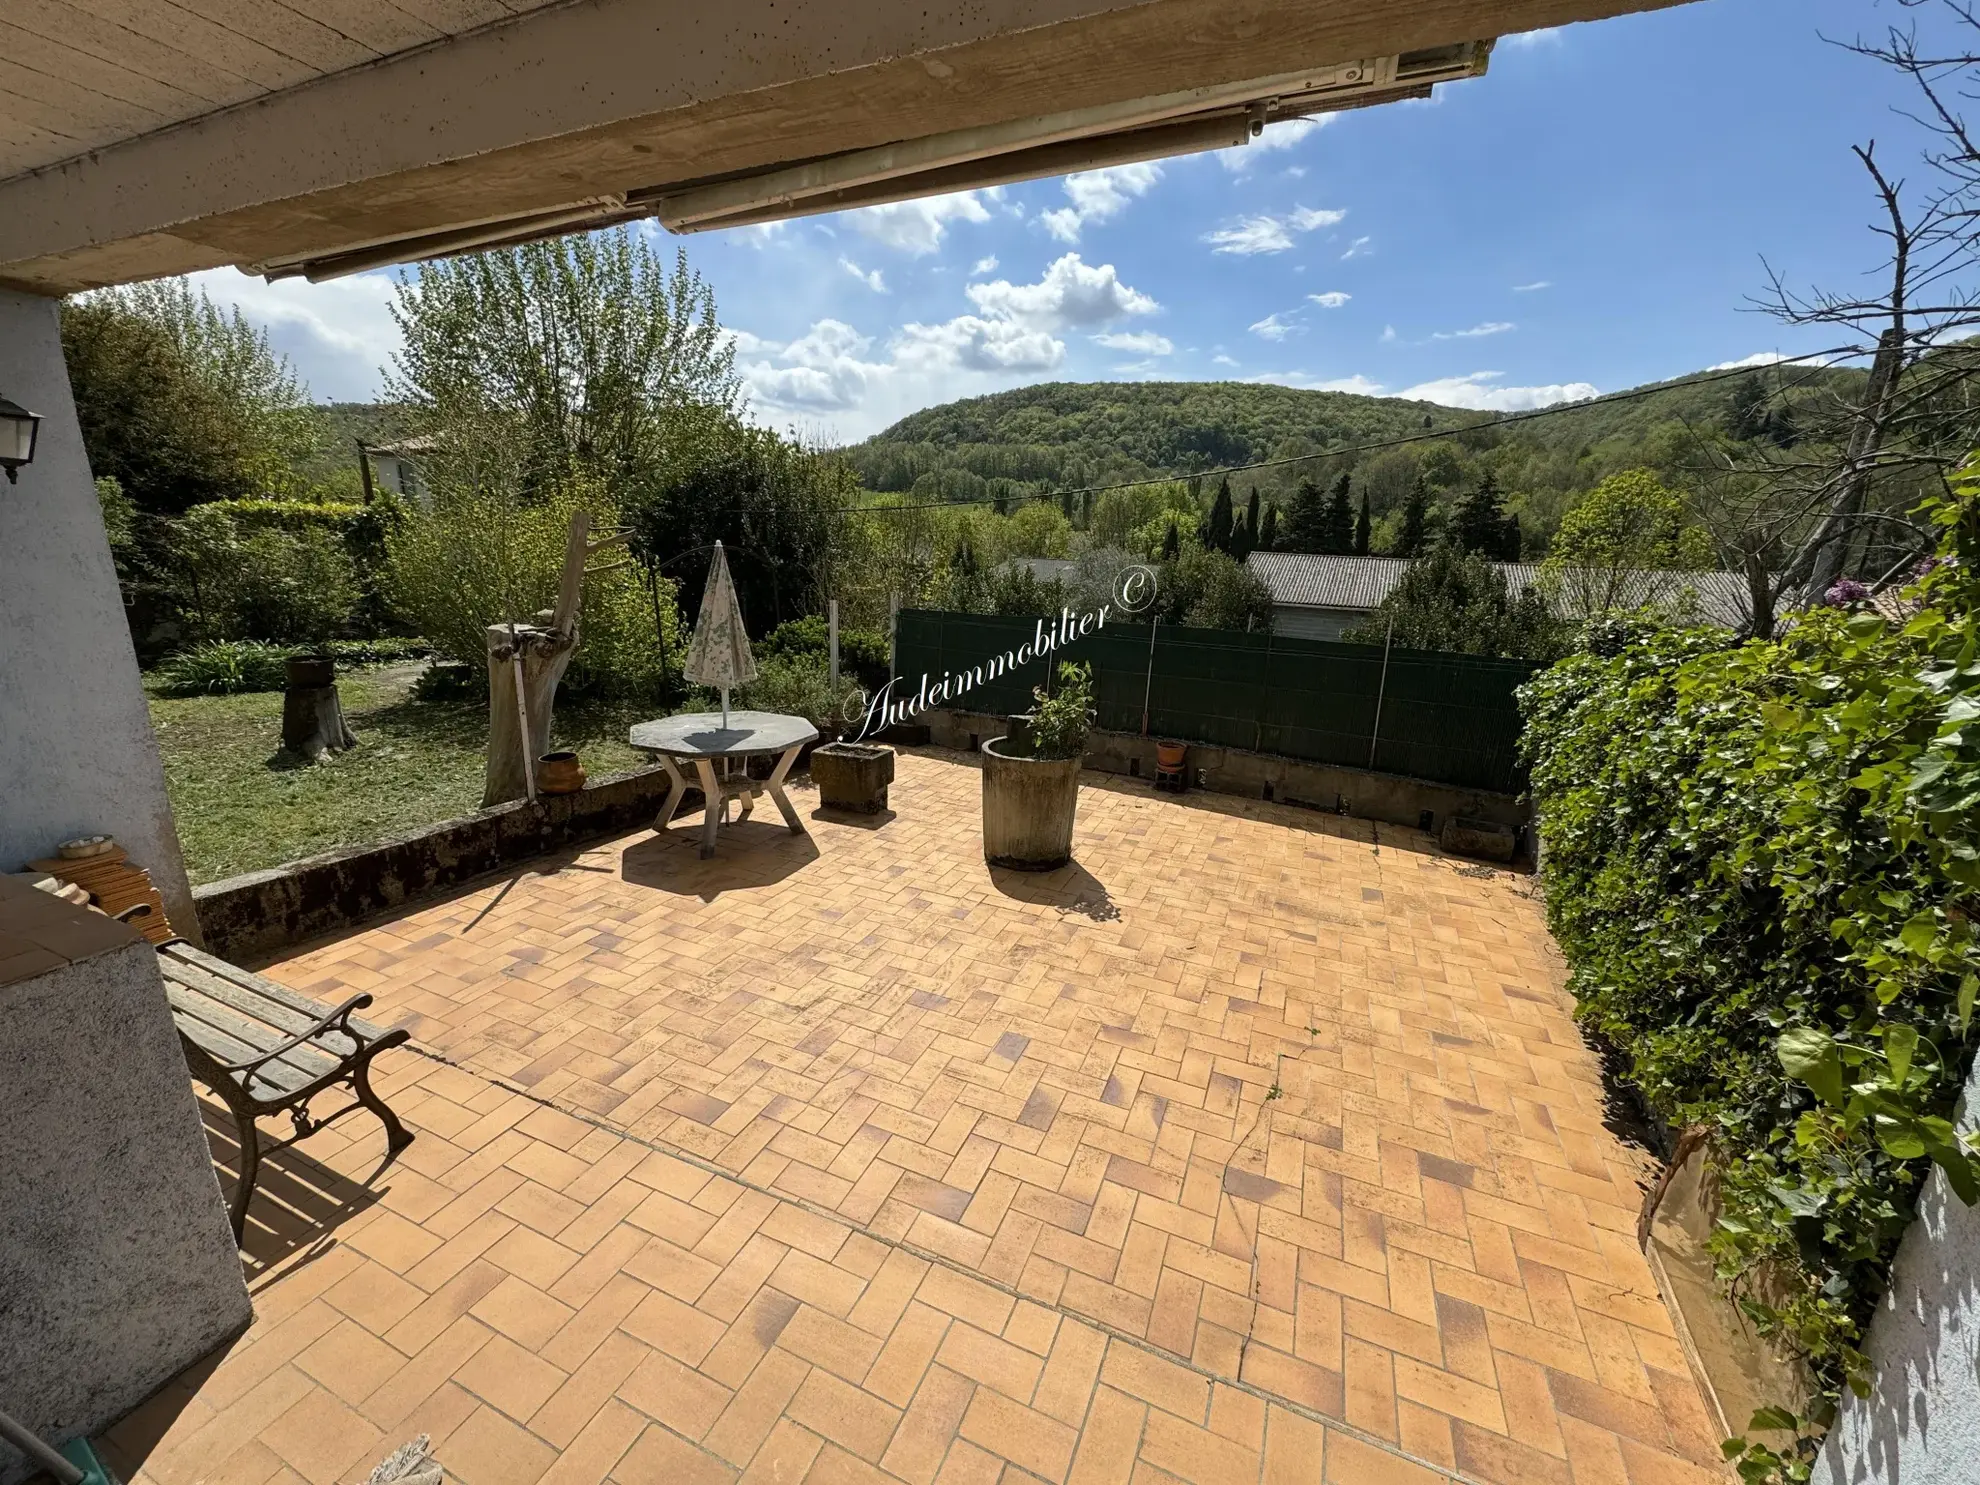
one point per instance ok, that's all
(544, 647)
(546, 650)
(312, 716)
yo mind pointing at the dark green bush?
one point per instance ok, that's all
(862, 652)
(1761, 863)
(226, 667)
(223, 668)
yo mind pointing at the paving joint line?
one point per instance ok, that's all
(927, 1255)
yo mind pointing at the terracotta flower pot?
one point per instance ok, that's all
(1170, 755)
(559, 773)
(1028, 808)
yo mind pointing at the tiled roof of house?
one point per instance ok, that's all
(1312, 580)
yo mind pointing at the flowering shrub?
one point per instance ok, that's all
(1763, 865)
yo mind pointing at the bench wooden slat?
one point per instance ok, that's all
(227, 1016)
(229, 1038)
(187, 956)
(281, 1021)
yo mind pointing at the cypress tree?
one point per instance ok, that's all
(1244, 535)
(1306, 520)
(1481, 519)
(1171, 543)
(1361, 528)
(1338, 535)
(1268, 534)
(1416, 520)
(1222, 520)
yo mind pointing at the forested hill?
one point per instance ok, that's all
(1068, 434)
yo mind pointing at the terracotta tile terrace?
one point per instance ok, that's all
(1257, 1146)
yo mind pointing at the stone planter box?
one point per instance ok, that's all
(852, 776)
(1480, 838)
(1028, 808)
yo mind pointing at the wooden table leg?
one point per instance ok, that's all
(776, 788)
(713, 805)
(676, 787)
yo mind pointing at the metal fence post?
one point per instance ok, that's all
(832, 651)
(1381, 689)
(1264, 691)
(1148, 681)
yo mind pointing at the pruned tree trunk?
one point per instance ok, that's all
(545, 647)
(546, 652)
(313, 724)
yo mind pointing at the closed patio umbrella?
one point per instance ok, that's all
(718, 655)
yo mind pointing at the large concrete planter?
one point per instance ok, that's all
(1028, 808)
(852, 776)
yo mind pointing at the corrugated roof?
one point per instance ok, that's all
(1312, 580)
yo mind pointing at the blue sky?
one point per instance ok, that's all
(1589, 216)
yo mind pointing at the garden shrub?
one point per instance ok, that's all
(1761, 863)
(260, 580)
(229, 666)
(621, 656)
(224, 668)
(796, 686)
(862, 652)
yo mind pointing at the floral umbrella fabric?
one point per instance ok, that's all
(719, 655)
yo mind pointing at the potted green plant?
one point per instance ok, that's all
(1031, 778)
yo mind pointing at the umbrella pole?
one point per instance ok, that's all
(725, 708)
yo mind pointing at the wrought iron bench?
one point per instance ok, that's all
(264, 1049)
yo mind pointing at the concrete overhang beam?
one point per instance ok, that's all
(573, 109)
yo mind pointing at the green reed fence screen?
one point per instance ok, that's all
(1452, 719)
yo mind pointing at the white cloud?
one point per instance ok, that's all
(1358, 384)
(984, 265)
(1099, 196)
(1476, 332)
(975, 343)
(823, 371)
(339, 335)
(1270, 234)
(1071, 294)
(918, 227)
(1306, 218)
(1282, 135)
(1389, 336)
(1141, 342)
(872, 279)
(1545, 36)
(1220, 359)
(1359, 248)
(1758, 358)
(1477, 393)
(1272, 328)
(1534, 287)
(1332, 299)
(834, 369)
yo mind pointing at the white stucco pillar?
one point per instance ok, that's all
(77, 754)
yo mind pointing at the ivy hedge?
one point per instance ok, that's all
(1763, 866)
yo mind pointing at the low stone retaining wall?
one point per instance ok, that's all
(1353, 791)
(262, 911)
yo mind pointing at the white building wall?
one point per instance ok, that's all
(1921, 1423)
(77, 754)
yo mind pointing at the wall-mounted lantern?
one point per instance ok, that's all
(18, 430)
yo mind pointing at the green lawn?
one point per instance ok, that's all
(241, 808)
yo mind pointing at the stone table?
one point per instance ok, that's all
(701, 739)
